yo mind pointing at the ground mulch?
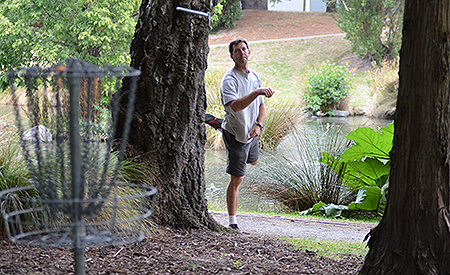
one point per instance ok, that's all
(178, 252)
(197, 251)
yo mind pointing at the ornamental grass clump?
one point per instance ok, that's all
(326, 87)
(214, 106)
(13, 168)
(295, 178)
(384, 81)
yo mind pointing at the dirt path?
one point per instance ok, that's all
(278, 226)
(256, 25)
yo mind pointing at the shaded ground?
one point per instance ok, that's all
(203, 252)
(178, 252)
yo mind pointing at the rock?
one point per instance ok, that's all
(40, 131)
(339, 113)
(358, 111)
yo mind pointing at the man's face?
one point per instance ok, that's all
(240, 54)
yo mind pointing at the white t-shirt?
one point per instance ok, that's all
(236, 84)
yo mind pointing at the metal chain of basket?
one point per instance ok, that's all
(76, 196)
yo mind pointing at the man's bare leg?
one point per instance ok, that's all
(233, 194)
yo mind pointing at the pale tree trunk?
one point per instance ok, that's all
(414, 234)
(170, 47)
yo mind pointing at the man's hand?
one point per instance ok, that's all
(255, 132)
(267, 92)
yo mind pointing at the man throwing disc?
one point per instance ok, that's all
(243, 100)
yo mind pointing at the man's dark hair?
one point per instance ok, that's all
(235, 42)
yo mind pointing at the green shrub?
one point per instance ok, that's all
(365, 167)
(326, 87)
(374, 27)
(225, 13)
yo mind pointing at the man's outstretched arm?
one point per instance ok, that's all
(242, 102)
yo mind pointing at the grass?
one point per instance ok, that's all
(385, 81)
(14, 173)
(342, 249)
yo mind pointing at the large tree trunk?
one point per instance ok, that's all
(414, 234)
(170, 47)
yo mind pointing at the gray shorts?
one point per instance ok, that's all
(239, 154)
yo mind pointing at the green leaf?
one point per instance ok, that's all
(368, 199)
(381, 181)
(320, 206)
(366, 172)
(334, 211)
(370, 143)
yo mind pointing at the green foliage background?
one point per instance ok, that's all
(225, 13)
(374, 27)
(365, 166)
(44, 32)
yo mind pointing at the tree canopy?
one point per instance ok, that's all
(44, 32)
(374, 27)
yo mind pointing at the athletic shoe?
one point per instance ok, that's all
(234, 226)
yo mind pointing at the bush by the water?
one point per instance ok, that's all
(326, 87)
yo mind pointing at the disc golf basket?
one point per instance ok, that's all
(76, 196)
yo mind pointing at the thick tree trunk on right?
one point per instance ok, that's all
(414, 234)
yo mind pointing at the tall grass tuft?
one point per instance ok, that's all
(13, 169)
(295, 178)
(14, 172)
(385, 83)
(281, 115)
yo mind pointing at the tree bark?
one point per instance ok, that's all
(414, 235)
(170, 47)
